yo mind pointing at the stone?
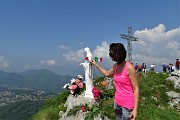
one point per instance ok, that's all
(174, 97)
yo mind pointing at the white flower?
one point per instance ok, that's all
(66, 85)
(80, 76)
(73, 80)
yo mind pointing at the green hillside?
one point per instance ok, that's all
(42, 79)
(22, 110)
(22, 94)
(153, 104)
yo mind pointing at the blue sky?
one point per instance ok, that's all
(51, 34)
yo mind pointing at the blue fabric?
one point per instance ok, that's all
(122, 113)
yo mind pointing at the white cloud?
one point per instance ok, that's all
(76, 56)
(64, 47)
(51, 62)
(138, 58)
(48, 62)
(3, 62)
(102, 51)
(156, 45)
(173, 45)
(154, 35)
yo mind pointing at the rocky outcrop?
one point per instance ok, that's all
(73, 101)
(81, 100)
(174, 97)
(175, 77)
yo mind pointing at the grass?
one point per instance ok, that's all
(50, 110)
(153, 104)
(51, 113)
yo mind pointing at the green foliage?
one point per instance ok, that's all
(51, 113)
(153, 103)
(105, 106)
(153, 85)
(153, 112)
(94, 111)
(73, 111)
(51, 108)
(26, 109)
(61, 98)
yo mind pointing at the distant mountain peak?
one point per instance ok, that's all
(40, 71)
(42, 79)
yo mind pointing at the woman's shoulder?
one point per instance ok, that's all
(130, 67)
(129, 63)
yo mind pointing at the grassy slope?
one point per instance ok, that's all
(22, 110)
(153, 104)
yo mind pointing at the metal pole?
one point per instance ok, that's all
(129, 39)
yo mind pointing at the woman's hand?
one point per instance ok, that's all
(93, 62)
(133, 115)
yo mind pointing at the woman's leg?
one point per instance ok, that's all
(126, 113)
(122, 113)
(118, 111)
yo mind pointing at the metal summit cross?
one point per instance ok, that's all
(129, 38)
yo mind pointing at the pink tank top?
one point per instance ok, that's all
(124, 95)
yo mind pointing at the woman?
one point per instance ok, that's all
(125, 81)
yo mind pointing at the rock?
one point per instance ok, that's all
(73, 101)
(175, 77)
(174, 97)
(80, 100)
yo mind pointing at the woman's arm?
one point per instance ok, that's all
(102, 70)
(133, 77)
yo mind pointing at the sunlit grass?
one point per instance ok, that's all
(153, 104)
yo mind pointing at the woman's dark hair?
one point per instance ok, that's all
(117, 52)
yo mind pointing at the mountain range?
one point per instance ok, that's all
(42, 79)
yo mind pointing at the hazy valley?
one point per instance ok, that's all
(23, 94)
